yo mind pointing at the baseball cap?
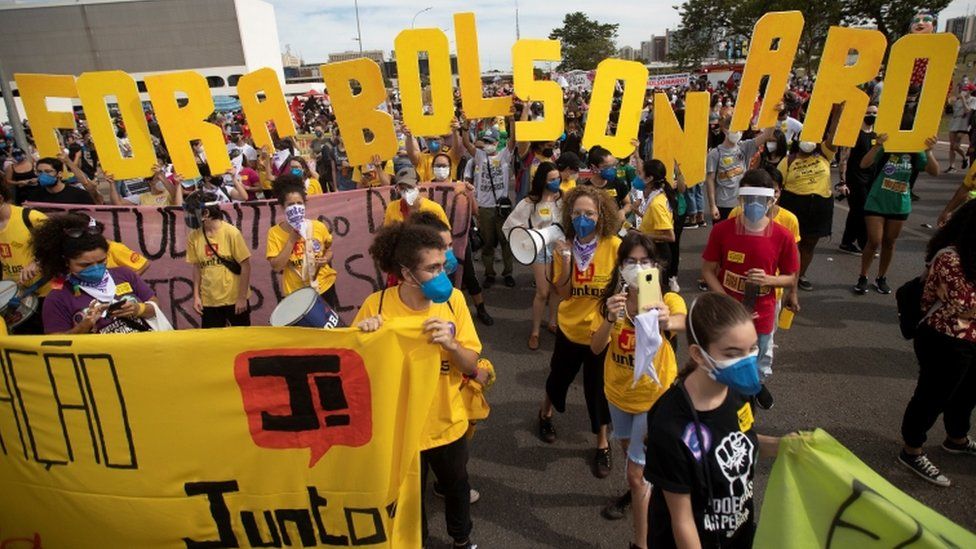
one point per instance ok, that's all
(406, 176)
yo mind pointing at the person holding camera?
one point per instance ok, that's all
(490, 172)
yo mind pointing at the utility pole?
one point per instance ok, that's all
(359, 32)
(518, 35)
(13, 115)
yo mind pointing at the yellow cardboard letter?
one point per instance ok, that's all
(93, 88)
(34, 90)
(180, 125)
(941, 50)
(524, 53)
(434, 42)
(688, 146)
(469, 73)
(634, 77)
(272, 108)
(837, 83)
(771, 52)
(357, 113)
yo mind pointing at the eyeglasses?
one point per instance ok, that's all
(77, 232)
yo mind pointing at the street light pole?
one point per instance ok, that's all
(414, 20)
(13, 115)
(359, 32)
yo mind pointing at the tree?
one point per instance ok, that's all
(585, 41)
(892, 18)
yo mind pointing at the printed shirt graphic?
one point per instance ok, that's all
(890, 192)
(477, 171)
(291, 280)
(805, 176)
(64, 308)
(676, 463)
(448, 419)
(119, 255)
(729, 164)
(618, 368)
(576, 313)
(218, 286)
(15, 252)
(737, 253)
(785, 218)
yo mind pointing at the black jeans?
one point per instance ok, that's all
(223, 316)
(469, 279)
(450, 465)
(946, 385)
(854, 229)
(567, 357)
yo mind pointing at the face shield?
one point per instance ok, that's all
(755, 203)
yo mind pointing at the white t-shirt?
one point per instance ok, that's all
(249, 152)
(791, 127)
(477, 170)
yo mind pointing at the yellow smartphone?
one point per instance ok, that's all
(648, 288)
(786, 319)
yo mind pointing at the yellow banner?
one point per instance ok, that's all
(239, 437)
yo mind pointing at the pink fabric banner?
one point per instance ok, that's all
(353, 217)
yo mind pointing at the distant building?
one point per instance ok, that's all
(656, 49)
(627, 53)
(289, 59)
(963, 27)
(375, 55)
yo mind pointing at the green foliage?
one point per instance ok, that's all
(585, 41)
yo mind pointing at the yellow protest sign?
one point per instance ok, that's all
(821, 495)
(180, 125)
(771, 52)
(93, 88)
(272, 108)
(634, 77)
(474, 103)
(408, 44)
(525, 53)
(356, 113)
(240, 437)
(689, 145)
(941, 50)
(837, 83)
(34, 90)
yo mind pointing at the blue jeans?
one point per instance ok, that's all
(765, 355)
(695, 198)
(632, 427)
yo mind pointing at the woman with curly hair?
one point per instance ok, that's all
(582, 267)
(87, 297)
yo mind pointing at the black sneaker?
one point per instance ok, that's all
(861, 287)
(510, 281)
(969, 448)
(764, 399)
(852, 249)
(702, 287)
(464, 545)
(601, 462)
(617, 509)
(475, 495)
(805, 284)
(547, 431)
(489, 282)
(483, 315)
(690, 225)
(881, 284)
(921, 466)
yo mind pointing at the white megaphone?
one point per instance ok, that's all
(527, 243)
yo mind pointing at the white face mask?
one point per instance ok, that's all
(629, 274)
(295, 215)
(808, 146)
(733, 137)
(441, 172)
(411, 195)
(771, 146)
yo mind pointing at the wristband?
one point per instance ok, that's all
(142, 310)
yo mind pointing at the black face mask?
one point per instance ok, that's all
(547, 152)
(869, 119)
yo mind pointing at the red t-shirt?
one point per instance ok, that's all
(737, 253)
(250, 178)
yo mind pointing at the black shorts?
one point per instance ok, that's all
(889, 217)
(814, 212)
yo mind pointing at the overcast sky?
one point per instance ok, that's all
(315, 28)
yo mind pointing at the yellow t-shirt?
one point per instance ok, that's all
(119, 255)
(567, 186)
(658, 216)
(15, 251)
(448, 418)
(218, 286)
(785, 218)
(576, 313)
(425, 170)
(618, 368)
(291, 280)
(312, 187)
(153, 199)
(805, 176)
(370, 179)
(393, 213)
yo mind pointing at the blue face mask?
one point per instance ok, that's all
(434, 147)
(553, 185)
(297, 172)
(609, 174)
(583, 226)
(451, 262)
(437, 289)
(754, 211)
(47, 180)
(739, 374)
(638, 184)
(92, 274)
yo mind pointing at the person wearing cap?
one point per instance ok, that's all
(750, 255)
(410, 201)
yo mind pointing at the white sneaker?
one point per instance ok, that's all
(673, 284)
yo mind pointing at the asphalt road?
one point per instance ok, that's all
(843, 367)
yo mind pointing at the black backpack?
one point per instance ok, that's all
(908, 298)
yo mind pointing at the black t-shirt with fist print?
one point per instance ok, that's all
(725, 516)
